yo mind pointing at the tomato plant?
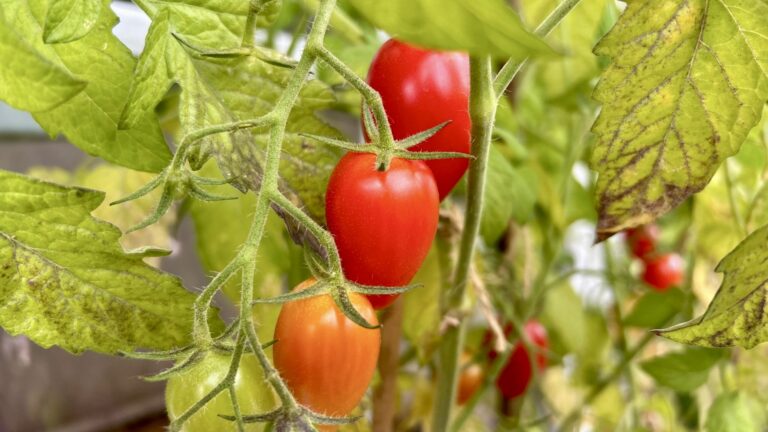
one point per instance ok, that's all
(579, 120)
(642, 240)
(383, 221)
(470, 379)
(326, 359)
(663, 271)
(516, 374)
(185, 389)
(420, 89)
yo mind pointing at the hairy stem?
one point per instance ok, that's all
(482, 109)
(512, 67)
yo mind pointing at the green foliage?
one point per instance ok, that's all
(736, 316)
(687, 83)
(683, 371)
(88, 118)
(735, 412)
(508, 195)
(479, 27)
(70, 20)
(66, 281)
(224, 90)
(655, 309)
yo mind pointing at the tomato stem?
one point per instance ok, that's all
(512, 66)
(482, 109)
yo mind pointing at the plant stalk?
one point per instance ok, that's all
(482, 110)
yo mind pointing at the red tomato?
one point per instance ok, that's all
(516, 375)
(642, 240)
(663, 271)
(421, 89)
(383, 221)
(470, 379)
(326, 360)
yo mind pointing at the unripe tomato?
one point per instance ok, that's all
(421, 89)
(663, 271)
(254, 393)
(383, 221)
(326, 359)
(470, 379)
(642, 240)
(516, 375)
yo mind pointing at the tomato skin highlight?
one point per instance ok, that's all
(326, 360)
(420, 89)
(516, 375)
(383, 221)
(663, 271)
(255, 394)
(642, 240)
(470, 379)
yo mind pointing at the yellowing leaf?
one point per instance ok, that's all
(738, 315)
(688, 81)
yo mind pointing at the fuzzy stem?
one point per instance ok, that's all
(482, 109)
(512, 67)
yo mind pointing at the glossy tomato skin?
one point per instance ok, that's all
(470, 379)
(326, 360)
(255, 394)
(642, 240)
(663, 271)
(383, 221)
(420, 89)
(516, 375)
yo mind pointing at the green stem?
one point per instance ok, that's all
(512, 67)
(573, 416)
(482, 109)
(250, 23)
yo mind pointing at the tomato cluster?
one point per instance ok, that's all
(661, 270)
(384, 221)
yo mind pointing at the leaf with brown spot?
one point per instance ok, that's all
(688, 80)
(737, 315)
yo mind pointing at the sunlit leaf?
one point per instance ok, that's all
(66, 281)
(737, 314)
(688, 80)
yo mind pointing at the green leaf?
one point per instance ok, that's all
(683, 371)
(89, 119)
(215, 23)
(421, 311)
(509, 195)
(223, 90)
(480, 27)
(65, 280)
(687, 83)
(735, 412)
(28, 69)
(737, 314)
(70, 20)
(655, 309)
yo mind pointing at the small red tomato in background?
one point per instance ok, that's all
(642, 240)
(383, 221)
(470, 379)
(516, 375)
(421, 89)
(326, 359)
(663, 271)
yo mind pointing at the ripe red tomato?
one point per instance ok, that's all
(516, 375)
(383, 221)
(642, 240)
(326, 360)
(254, 394)
(421, 89)
(470, 379)
(663, 271)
